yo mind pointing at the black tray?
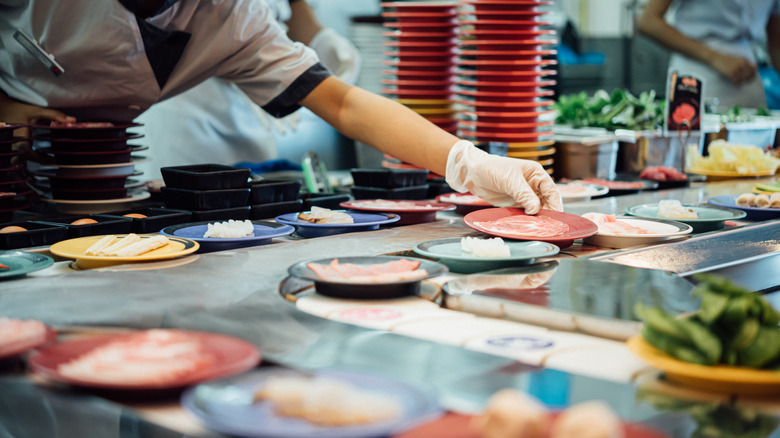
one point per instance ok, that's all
(104, 225)
(322, 200)
(389, 178)
(186, 199)
(156, 218)
(37, 234)
(205, 177)
(266, 211)
(237, 214)
(273, 191)
(409, 193)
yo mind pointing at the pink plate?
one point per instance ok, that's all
(411, 212)
(579, 227)
(231, 356)
(13, 349)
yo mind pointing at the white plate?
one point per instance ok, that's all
(662, 230)
(590, 191)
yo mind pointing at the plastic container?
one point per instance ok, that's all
(322, 200)
(205, 177)
(104, 225)
(389, 178)
(274, 191)
(412, 193)
(37, 234)
(186, 199)
(237, 214)
(578, 158)
(156, 218)
(267, 211)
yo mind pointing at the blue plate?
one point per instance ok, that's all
(710, 217)
(363, 222)
(264, 232)
(22, 263)
(227, 406)
(448, 252)
(753, 213)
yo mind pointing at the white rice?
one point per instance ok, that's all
(494, 247)
(230, 229)
(673, 209)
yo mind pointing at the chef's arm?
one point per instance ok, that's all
(653, 24)
(13, 111)
(381, 123)
(773, 40)
(303, 23)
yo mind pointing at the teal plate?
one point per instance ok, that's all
(21, 263)
(710, 217)
(449, 253)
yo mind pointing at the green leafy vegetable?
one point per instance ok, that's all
(619, 110)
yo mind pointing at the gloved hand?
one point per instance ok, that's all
(337, 54)
(501, 181)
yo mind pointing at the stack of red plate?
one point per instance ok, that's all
(420, 43)
(500, 75)
(89, 161)
(15, 193)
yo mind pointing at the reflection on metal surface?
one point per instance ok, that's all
(747, 256)
(292, 288)
(574, 295)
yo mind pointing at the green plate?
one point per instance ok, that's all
(22, 263)
(710, 217)
(449, 253)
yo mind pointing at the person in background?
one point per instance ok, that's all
(122, 57)
(215, 122)
(713, 40)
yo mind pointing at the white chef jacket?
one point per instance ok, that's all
(729, 26)
(117, 65)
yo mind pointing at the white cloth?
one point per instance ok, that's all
(728, 26)
(107, 74)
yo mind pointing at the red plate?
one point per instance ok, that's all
(418, 94)
(420, 83)
(13, 349)
(402, 35)
(425, 16)
(409, 215)
(490, 34)
(501, 12)
(422, 24)
(522, 86)
(518, 4)
(232, 356)
(472, 125)
(503, 106)
(403, 73)
(508, 44)
(419, 6)
(506, 137)
(423, 45)
(579, 227)
(433, 58)
(530, 52)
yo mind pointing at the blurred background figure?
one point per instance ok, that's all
(215, 122)
(714, 40)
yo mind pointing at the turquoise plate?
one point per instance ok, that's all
(711, 217)
(22, 263)
(448, 252)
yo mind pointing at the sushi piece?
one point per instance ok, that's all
(673, 209)
(100, 245)
(746, 200)
(326, 401)
(16, 333)
(150, 357)
(762, 201)
(592, 419)
(609, 224)
(488, 248)
(2, 266)
(124, 242)
(774, 200)
(230, 229)
(512, 414)
(319, 215)
(142, 246)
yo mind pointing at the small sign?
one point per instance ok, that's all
(683, 103)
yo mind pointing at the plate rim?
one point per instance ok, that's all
(45, 262)
(389, 218)
(422, 251)
(273, 225)
(589, 231)
(739, 207)
(309, 275)
(736, 213)
(683, 228)
(190, 246)
(442, 206)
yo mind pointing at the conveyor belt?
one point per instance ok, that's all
(749, 255)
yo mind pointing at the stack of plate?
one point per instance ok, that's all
(501, 72)
(420, 42)
(85, 167)
(15, 193)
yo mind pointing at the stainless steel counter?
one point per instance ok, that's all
(236, 292)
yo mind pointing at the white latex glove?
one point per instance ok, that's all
(337, 53)
(501, 181)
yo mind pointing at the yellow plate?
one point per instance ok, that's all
(429, 111)
(724, 379)
(731, 173)
(530, 154)
(424, 101)
(74, 249)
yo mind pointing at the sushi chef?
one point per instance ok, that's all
(714, 40)
(98, 60)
